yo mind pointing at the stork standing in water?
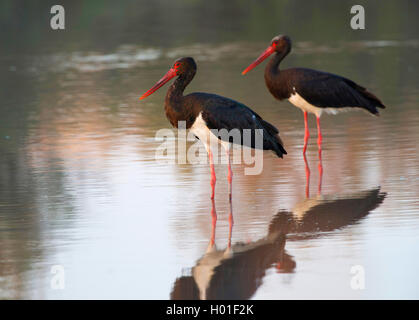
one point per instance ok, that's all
(204, 113)
(311, 90)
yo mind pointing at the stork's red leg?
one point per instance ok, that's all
(213, 178)
(319, 142)
(229, 176)
(307, 133)
(214, 223)
(319, 135)
(230, 224)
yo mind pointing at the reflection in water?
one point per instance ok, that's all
(308, 172)
(320, 166)
(237, 271)
(326, 213)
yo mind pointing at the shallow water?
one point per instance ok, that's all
(80, 186)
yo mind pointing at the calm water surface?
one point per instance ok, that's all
(80, 186)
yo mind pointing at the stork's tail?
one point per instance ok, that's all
(372, 102)
(272, 140)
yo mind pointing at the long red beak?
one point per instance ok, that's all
(262, 57)
(169, 75)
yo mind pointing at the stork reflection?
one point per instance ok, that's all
(237, 271)
(308, 172)
(234, 272)
(314, 216)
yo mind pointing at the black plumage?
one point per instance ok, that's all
(321, 89)
(223, 113)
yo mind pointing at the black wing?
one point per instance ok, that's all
(326, 90)
(223, 113)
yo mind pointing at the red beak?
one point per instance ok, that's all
(169, 75)
(262, 57)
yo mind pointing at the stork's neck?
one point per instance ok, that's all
(272, 68)
(275, 80)
(175, 92)
(174, 104)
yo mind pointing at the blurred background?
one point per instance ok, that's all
(80, 186)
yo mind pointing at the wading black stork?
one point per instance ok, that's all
(311, 90)
(205, 114)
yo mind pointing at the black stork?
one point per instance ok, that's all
(205, 114)
(311, 90)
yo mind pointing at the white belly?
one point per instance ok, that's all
(200, 129)
(301, 103)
